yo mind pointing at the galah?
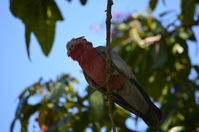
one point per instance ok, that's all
(125, 90)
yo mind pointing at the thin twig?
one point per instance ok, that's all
(108, 59)
(156, 38)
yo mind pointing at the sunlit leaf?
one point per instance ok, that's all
(177, 129)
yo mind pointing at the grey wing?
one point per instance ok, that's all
(115, 97)
(123, 68)
(117, 61)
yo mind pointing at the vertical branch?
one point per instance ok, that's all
(108, 59)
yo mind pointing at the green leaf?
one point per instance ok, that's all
(70, 105)
(191, 35)
(13, 124)
(177, 129)
(167, 121)
(196, 68)
(39, 17)
(81, 121)
(59, 123)
(24, 110)
(57, 91)
(152, 4)
(97, 105)
(184, 35)
(27, 35)
(121, 115)
(83, 2)
(165, 13)
(187, 11)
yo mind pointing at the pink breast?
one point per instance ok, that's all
(94, 66)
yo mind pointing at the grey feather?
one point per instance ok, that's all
(117, 61)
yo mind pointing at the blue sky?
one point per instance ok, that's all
(17, 72)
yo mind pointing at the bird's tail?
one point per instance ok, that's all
(153, 116)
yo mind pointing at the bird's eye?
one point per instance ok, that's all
(72, 46)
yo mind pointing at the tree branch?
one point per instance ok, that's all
(108, 59)
(151, 40)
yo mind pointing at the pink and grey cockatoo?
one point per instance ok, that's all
(125, 90)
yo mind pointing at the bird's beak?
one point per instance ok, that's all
(68, 53)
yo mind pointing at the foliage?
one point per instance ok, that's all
(156, 53)
(62, 109)
(40, 17)
(162, 67)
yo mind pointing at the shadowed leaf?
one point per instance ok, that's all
(187, 11)
(83, 2)
(39, 17)
(152, 4)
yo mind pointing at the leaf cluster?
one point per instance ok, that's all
(62, 109)
(162, 66)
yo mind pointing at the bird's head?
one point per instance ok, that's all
(76, 44)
